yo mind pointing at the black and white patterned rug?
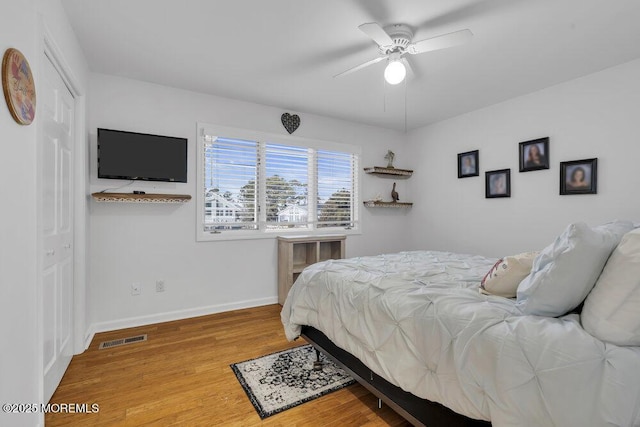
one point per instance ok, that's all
(283, 380)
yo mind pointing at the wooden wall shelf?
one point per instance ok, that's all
(376, 204)
(140, 198)
(395, 172)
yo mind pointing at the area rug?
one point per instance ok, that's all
(283, 380)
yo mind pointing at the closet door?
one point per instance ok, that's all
(56, 225)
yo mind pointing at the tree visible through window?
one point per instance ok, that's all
(336, 210)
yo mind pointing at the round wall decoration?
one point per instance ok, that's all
(18, 86)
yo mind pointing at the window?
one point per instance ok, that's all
(252, 184)
(230, 184)
(335, 178)
(287, 185)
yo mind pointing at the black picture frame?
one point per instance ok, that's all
(570, 181)
(468, 164)
(497, 183)
(530, 163)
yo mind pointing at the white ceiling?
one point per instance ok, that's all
(284, 52)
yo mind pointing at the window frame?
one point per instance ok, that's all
(263, 138)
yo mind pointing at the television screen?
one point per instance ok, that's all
(129, 155)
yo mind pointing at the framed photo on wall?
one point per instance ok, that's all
(468, 164)
(497, 183)
(579, 177)
(534, 155)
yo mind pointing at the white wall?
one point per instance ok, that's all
(20, 359)
(144, 243)
(593, 116)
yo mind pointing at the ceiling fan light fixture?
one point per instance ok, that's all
(395, 72)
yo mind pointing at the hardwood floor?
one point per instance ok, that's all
(181, 376)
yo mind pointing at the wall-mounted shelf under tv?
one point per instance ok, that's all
(383, 171)
(140, 198)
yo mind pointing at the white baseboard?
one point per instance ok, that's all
(132, 322)
(89, 337)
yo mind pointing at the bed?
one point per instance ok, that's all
(416, 321)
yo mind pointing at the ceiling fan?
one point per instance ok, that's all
(395, 41)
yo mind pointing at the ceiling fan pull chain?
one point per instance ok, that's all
(384, 95)
(405, 105)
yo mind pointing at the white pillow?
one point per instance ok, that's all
(611, 312)
(565, 271)
(506, 274)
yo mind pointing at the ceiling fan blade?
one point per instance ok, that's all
(374, 9)
(360, 67)
(440, 42)
(470, 10)
(377, 33)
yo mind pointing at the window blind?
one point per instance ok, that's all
(286, 186)
(337, 184)
(230, 187)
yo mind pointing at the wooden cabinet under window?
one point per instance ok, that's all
(296, 253)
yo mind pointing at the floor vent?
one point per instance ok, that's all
(122, 341)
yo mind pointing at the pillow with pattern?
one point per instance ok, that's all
(506, 274)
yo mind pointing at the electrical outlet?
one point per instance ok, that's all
(136, 289)
(159, 285)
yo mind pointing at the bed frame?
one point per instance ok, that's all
(419, 412)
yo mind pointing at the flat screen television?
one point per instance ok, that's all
(130, 155)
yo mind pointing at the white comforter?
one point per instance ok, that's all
(417, 319)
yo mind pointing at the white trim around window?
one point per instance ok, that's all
(255, 185)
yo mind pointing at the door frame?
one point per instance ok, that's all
(49, 50)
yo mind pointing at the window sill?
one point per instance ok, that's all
(252, 235)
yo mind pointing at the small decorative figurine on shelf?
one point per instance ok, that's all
(389, 158)
(394, 193)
